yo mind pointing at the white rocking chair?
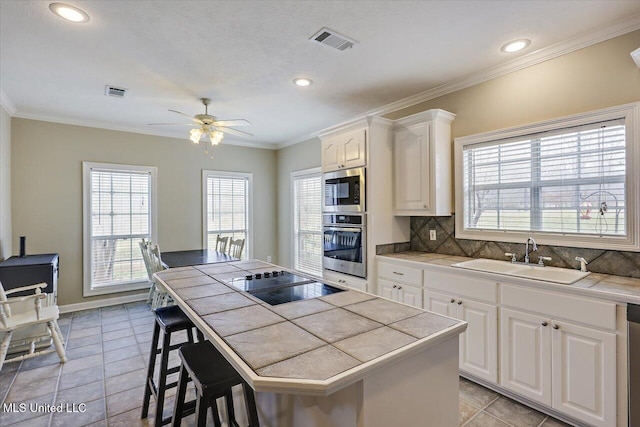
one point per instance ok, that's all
(28, 317)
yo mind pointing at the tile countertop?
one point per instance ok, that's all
(315, 346)
(614, 288)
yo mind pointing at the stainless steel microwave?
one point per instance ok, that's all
(344, 190)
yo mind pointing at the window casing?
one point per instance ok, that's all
(227, 208)
(569, 182)
(307, 221)
(119, 209)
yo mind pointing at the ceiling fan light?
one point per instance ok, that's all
(195, 135)
(215, 137)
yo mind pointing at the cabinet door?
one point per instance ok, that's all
(525, 363)
(440, 303)
(354, 149)
(584, 373)
(331, 154)
(388, 289)
(412, 156)
(479, 343)
(410, 295)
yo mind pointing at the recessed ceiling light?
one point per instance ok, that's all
(68, 12)
(302, 82)
(515, 45)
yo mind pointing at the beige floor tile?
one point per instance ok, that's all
(467, 411)
(482, 419)
(476, 394)
(515, 413)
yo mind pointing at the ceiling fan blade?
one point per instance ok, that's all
(232, 122)
(233, 131)
(171, 124)
(186, 115)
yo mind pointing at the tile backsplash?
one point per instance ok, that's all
(600, 260)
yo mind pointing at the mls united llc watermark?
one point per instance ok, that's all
(44, 408)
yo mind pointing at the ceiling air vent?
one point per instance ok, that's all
(333, 39)
(118, 92)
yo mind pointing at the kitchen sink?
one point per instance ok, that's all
(563, 276)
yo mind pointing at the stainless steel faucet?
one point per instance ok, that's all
(534, 248)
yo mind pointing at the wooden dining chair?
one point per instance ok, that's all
(236, 247)
(221, 243)
(17, 314)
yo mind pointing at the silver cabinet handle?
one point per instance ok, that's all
(399, 287)
(424, 206)
(398, 273)
(395, 286)
(556, 326)
(452, 300)
(459, 302)
(544, 323)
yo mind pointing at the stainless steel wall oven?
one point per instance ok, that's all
(345, 247)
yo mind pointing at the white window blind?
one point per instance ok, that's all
(118, 214)
(227, 208)
(307, 206)
(566, 181)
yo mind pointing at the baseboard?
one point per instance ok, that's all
(102, 302)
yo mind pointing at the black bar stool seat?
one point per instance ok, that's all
(213, 377)
(168, 320)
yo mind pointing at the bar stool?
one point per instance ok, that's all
(169, 320)
(213, 378)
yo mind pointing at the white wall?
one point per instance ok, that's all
(47, 189)
(297, 157)
(5, 184)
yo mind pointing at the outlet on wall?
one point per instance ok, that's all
(432, 234)
(269, 258)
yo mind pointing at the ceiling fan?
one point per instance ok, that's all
(208, 125)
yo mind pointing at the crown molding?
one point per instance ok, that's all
(562, 48)
(131, 129)
(6, 103)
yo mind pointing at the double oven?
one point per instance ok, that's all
(344, 222)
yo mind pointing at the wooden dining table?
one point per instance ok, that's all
(194, 257)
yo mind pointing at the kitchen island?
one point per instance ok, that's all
(347, 358)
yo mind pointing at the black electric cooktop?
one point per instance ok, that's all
(279, 287)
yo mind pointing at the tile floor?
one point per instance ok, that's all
(108, 349)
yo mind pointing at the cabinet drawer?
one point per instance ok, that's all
(400, 273)
(589, 311)
(462, 284)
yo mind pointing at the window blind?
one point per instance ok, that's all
(308, 223)
(567, 181)
(228, 211)
(120, 218)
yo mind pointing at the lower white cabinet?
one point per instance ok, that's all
(346, 280)
(479, 343)
(568, 367)
(407, 294)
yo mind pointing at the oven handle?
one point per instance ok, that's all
(350, 229)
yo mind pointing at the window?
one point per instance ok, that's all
(227, 208)
(307, 221)
(567, 182)
(119, 206)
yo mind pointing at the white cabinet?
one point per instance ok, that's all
(400, 283)
(405, 294)
(422, 164)
(344, 150)
(345, 280)
(479, 343)
(569, 367)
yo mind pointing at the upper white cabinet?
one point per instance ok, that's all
(344, 150)
(422, 164)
